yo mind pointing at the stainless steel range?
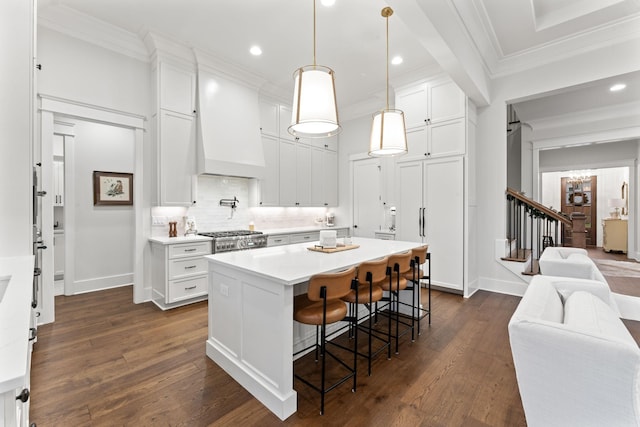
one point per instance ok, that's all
(236, 240)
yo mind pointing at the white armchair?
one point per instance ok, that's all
(575, 361)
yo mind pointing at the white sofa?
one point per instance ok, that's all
(573, 262)
(575, 361)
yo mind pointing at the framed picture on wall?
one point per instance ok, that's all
(112, 188)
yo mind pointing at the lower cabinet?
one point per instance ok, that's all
(179, 273)
(302, 236)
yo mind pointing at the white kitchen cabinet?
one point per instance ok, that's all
(269, 184)
(177, 89)
(58, 183)
(269, 118)
(435, 116)
(288, 171)
(295, 174)
(385, 235)
(430, 209)
(176, 159)
(179, 272)
(278, 240)
(324, 176)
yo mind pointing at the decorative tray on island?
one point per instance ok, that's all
(340, 247)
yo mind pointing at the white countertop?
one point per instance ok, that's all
(276, 231)
(15, 317)
(164, 240)
(292, 264)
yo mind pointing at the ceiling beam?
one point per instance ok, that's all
(438, 27)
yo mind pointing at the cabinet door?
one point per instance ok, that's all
(416, 144)
(58, 254)
(446, 102)
(177, 159)
(303, 175)
(444, 218)
(446, 138)
(330, 178)
(269, 122)
(177, 89)
(414, 103)
(409, 209)
(318, 175)
(367, 209)
(270, 182)
(287, 157)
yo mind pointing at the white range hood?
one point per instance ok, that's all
(229, 141)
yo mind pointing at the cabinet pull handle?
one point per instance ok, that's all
(189, 266)
(190, 250)
(34, 334)
(23, 396)
(190, 287)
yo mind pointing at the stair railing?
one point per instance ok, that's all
(531, 227)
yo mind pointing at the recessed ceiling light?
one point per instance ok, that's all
(397, 60)
(255, 50)
(617, 87)
(328, 3)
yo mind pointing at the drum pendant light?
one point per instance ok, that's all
(315, 110)
(388, 132)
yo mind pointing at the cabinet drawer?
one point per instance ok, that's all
(185, 289)
(305, 237)
(278, 240)
(180, 268)
(189, 249)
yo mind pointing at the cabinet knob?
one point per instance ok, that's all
(427, 154)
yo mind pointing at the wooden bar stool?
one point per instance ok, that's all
(398, 266)
(323, 306)
(369, 275)
(420, 256)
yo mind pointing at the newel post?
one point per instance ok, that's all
(578, 232)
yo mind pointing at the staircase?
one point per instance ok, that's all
(531, 227)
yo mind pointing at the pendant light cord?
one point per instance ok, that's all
(387, 19)
(314, 33)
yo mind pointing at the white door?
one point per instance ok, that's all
(409, 208)
(444, 218)
(367, 209)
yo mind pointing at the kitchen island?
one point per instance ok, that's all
(251, 329)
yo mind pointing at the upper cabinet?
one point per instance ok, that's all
(298, 171)
(177, 89)
(175, 128)
(435, 117)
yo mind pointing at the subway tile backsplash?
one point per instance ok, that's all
(210, 216)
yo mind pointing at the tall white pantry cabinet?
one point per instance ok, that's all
(431, 190)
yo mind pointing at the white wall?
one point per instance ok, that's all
(104, 235)
(76, 70)
(16, 28)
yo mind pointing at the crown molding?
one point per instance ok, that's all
(83, 27)
(621, 112)
(211, 63)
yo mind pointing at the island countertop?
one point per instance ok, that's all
(292, 264)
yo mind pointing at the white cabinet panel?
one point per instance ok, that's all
(269, 122)
(446, 138)
(330, 178)
(58, 183)
(447, 101)
(303, 175)
(431, 210)
(288, 172)
(177, 163)
(318, 175)
(285, 121)
(177, 89)
(269, 184)
(414, 102)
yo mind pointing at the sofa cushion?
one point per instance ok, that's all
(541, 301)
(587, 313)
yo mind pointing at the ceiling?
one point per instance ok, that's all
(351, 33)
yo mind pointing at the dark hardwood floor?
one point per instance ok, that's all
(108, 362)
